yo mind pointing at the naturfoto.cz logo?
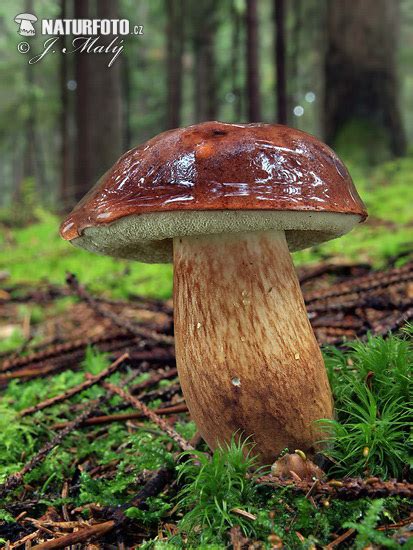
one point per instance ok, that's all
(87, 35)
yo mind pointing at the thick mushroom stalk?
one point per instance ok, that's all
(247, 357)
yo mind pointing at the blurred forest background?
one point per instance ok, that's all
(341, 69)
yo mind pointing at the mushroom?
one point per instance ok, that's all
(26, 20)
(227, 203)
(296, 466)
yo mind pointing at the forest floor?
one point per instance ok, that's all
(83, 358)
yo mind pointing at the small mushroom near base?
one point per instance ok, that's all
(296, 465)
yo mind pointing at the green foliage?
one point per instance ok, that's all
(24, 208)
(14, 341)
(366, 533)
(352, 139)
(372, 386)
(94, 361)
(294, 514)
(155, 509)
(27, 394)
(213, 488)
(37, 253)
(17, 440)
(387, 191)
(140, 451)
(370, 440)
(6, 516)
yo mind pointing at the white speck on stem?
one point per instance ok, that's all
(198, 326)
(297, 356)
(236, 381)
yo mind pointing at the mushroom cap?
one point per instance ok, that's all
(215, 177)
(25, 16)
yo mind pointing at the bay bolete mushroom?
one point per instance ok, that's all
(227, 203)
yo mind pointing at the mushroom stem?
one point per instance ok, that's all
(246, 354)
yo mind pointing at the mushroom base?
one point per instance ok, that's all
(246, 354)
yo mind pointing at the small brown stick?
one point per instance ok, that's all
(137, 404)
(346, 489)
(25, 539)
(307, 273)
(398, 525)
(152, 487)
(369, 282)
(77, 389)
(14, 480)
(54, 350)
(106, 419)
(340, 539)
(396, 322)
(72, 359)
(78, 536)
(142, 332)
(61, 525)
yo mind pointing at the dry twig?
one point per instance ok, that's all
(146, 411)
(142, 332)
(77, 536)
(77, 389)
(347, 534)
(107, 419)
(346, 489)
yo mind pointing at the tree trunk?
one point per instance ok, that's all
(64, 121)
(360, 73)
(295, 41)
(108, 92)
(127, 101)
(237, 88)
(175, 40)
(84, 171)
(33, 159)
(253, 78)
(203, 40)
(281, 91)
(98, 104)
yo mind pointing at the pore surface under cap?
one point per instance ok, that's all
(148, 237)
(214, 167)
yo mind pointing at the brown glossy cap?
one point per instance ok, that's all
(218, 167)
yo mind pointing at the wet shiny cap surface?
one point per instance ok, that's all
(216, 166)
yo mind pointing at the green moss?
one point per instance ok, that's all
(388, 194)
(373, 391)
(363, 143)
(37, 253)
